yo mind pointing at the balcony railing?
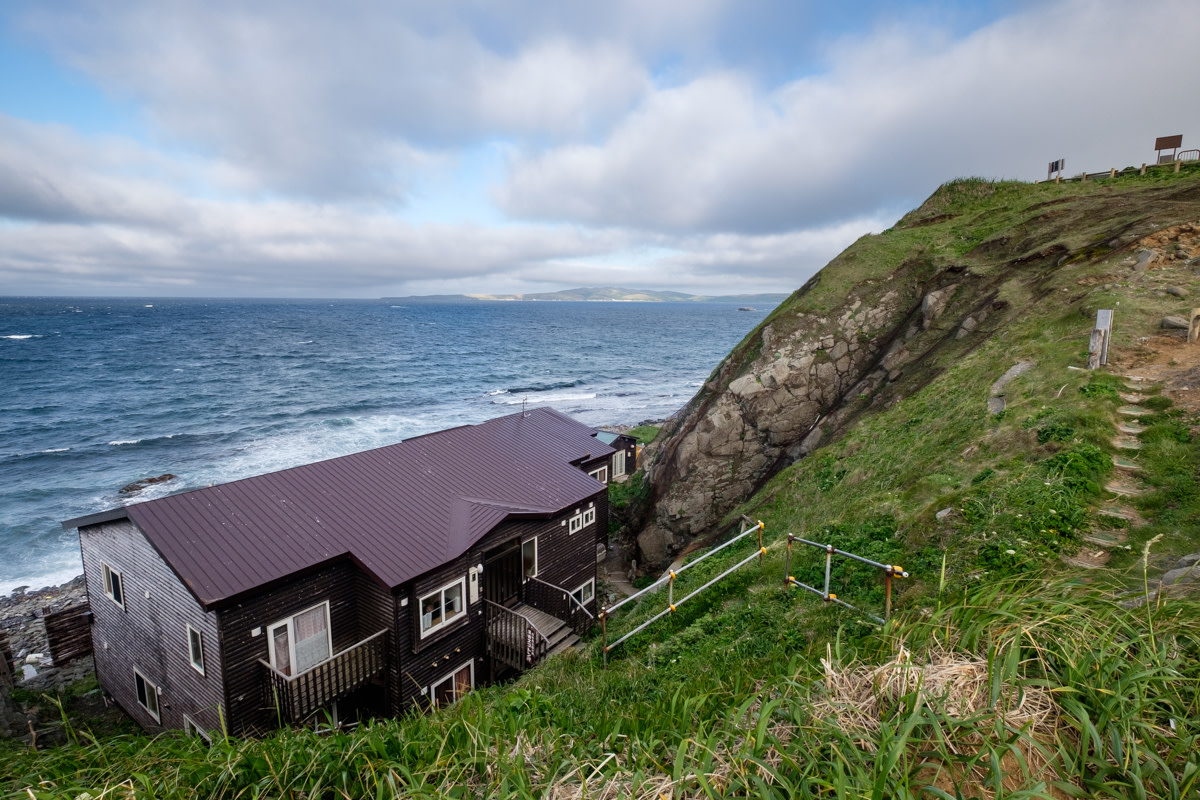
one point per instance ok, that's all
(297, 696)
(512, 639)
(558, 602)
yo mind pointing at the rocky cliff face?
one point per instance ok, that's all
(869, 327)
(762, 410)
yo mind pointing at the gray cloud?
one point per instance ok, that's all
(286, 136)
(896, 114)
(339, 101)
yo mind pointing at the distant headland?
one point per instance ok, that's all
(604, 294)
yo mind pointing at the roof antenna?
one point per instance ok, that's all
(524, 413)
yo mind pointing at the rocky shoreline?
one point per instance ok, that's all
(21, 624)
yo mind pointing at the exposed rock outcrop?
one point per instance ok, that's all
(884, 318)
(811, 373)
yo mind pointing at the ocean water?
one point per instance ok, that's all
(98, 393)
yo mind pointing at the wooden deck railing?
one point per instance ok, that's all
(512, 639)
(558, 602)
(297, 696)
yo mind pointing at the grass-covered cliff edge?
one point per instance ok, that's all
(1005, 671)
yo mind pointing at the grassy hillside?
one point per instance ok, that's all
(1003, 672)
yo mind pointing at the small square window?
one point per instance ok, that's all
(114, 589)
(452, 687)
(192, 729)
(584, 594)
(442, 607)
(196, 649)
(600, 474)
(147, 695)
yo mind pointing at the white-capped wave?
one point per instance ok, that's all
(22, 336)
(495, 392)
(119, 442)
(310, 341)
(57, 450)
(540, 399)
(47, 575)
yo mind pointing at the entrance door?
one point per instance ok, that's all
(502, 574)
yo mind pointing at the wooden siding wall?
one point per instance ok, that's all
(376, 611)
(564, 559)
(338, 584)
(150, 632)
(68, 632)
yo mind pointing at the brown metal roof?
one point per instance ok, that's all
(398, 511)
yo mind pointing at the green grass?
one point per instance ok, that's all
(644, 433)
(750, 689)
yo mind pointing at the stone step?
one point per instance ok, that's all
(1106, 538)
(1124, 487)
(1120, 462)
(1120, 512)
(1134, 411)
(1088, 558)
(1131, 428)
(1127, 443)
(1131, 397)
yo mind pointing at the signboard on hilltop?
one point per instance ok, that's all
(1172, 143)
(1056, 166)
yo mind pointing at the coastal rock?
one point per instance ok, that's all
(137, 486)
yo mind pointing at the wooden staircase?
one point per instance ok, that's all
(521, 637)
(557, 633)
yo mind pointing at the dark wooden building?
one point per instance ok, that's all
(358, 586)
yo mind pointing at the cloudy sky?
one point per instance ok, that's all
(296, 148)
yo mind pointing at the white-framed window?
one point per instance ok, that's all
(581, 519)
(440, 608)
(529, 560)
(192, 728)
(618, 463)
(196, 649)
(301, 641)
(147, 694)
(453, 686)
(114, 587)
(584, 594)
(600, 474)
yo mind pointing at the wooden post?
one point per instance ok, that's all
(1112, 173)
(1098, 347)
(1143, 172)
(1178, 164)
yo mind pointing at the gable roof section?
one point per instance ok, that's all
(398, 511)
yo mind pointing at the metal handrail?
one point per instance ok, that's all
(889, 571)
(671, 575)
(319, 664)
(528, 621)
(565, 592)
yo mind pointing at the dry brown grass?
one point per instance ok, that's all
(957, 689)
